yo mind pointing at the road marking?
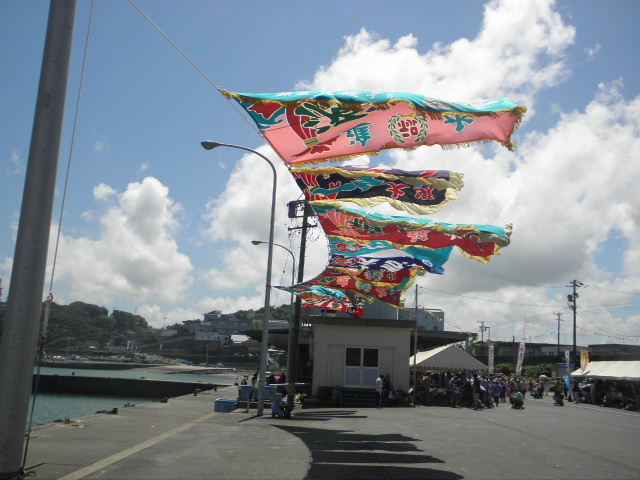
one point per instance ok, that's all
(105, 462)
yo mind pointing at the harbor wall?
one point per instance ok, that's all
(135, 387)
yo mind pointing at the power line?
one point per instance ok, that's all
(611, 290)
(477, 268)
(612, 333)
(194, 65)
(484, 299)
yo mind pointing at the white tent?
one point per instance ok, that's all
(620, 370)
(448, 357)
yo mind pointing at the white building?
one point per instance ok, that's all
(354, 352)
(428, 318)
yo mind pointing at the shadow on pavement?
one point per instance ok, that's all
(341, 454)
(326, 415)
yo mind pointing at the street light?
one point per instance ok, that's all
(293, 273)
(208, 145)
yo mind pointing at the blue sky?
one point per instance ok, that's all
(153, 222)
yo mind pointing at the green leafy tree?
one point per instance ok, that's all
(534, 371)
(504, 368)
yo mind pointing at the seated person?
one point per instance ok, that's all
(617, 398)
(632, 401)
(336, 396)
(279, 407)
(394, 397)
(517, 400)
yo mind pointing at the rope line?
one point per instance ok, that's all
(235, 107)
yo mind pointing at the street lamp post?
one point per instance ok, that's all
(208, 145)
(293, 280)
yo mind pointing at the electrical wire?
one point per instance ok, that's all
(479, 269)
(235, 107)
(611, 333)
(484, 299)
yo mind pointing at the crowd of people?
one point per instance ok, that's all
(608, 393)
(477, 391)
(473, 390)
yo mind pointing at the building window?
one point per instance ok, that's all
(361, 367)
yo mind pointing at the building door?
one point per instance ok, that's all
(361, 367)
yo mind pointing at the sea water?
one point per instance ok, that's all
(50, 407)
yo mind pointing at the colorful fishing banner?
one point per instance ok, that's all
(386, 286)
(309, 127)
(390, 264)
(317, 296)
(417, 192)
(477, 242)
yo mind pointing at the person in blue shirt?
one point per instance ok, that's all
(496, 390)
(279, 406)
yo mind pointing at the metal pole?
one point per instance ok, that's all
(292, 314)
(264, 347)
(293, 374)
(22, 319)
(558, 353)
(415, 353)
(575, 310)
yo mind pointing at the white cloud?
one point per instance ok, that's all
(135, 256)
(592, 52)
(100, 146)
(102, 192)
(143, 168)
(18, 163)
(157, 317)
(230, 304)
(518, 51)
(5, 269)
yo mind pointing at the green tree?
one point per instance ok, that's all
(534, 371)
(504, 368)
(91, 310)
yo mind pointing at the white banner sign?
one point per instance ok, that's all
(520, 359)
(491, 357)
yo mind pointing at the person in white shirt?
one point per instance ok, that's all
(379, 383)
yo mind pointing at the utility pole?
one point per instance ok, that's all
(573, 304)
(294, 334)
(24, 305)
(482, 329)
(559, 315)
(415, 353)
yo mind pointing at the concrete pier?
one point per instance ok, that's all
(185, 439)
(133, 387)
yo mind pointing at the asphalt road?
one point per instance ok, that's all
(184, 439)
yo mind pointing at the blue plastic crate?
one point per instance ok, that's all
(223, 405)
